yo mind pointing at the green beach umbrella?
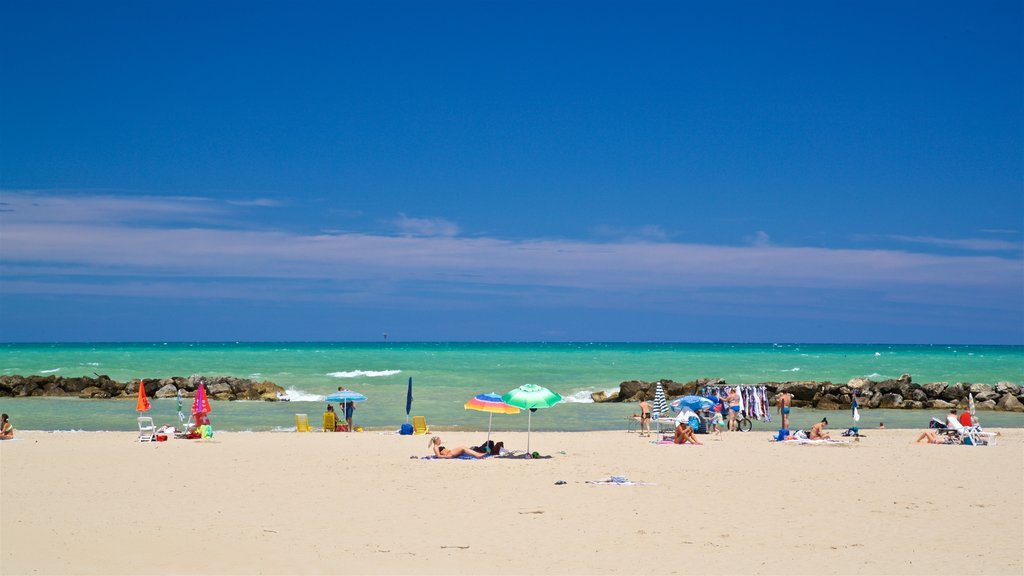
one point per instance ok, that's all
(530, 397)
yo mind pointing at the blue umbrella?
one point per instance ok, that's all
(345, 396)
(695, 403)
(408, 400)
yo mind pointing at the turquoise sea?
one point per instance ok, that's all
(446, 375)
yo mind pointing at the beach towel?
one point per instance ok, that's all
(619, 481)
(804, 441)
(521, 455)
(673, 443)
(462, 457)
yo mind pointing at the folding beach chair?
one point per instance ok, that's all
(419, 425)
(302, 423)
(329, 422)
(147, 430)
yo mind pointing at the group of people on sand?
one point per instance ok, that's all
(350, 408)
(953, 422)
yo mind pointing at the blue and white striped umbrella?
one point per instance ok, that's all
(660, 404)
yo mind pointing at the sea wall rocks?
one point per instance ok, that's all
(899, 393)
(217, 387)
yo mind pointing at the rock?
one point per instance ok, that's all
(904, 378)
(858, 382)
(94, 392)
(889, 386)
(1007, 388)
(986, 405)
(599, 396)
(800, 390)
(934, 389)
(978, 388)
(829, 402)
(918, 395)
(990, 395)
(874, 401)
(167, 391)
(1009, 403)
(953, 393)
(939, 404)
(891, 401)
(629, 391)
(912, 405)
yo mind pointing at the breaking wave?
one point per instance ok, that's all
(363, 373)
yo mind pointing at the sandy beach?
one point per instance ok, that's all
(365, 503)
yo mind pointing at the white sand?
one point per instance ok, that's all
(316, 503)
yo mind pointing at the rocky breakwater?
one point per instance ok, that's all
(900, 393)
(217, 387)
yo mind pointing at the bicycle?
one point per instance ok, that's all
(743, 423)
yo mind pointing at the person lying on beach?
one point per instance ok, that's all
(6, 428)
(442, 452)
(929, 437)
(817, 432)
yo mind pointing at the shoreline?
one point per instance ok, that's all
(285, 503)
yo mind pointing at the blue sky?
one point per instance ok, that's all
(617, 171)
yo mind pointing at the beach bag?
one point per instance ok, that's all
(406, 429)
(783, 434)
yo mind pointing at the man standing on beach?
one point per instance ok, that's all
(645, 417)
(785, 403)
(350, 407)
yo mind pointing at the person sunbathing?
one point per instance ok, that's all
(929, 437)
(817, 432)
(442, 452)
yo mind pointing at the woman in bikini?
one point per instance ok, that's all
(442, 452)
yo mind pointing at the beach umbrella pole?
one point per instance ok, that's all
(529, 420)
(490, 418)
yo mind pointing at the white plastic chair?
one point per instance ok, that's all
(147, 430)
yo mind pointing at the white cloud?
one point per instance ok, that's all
(972, 244)
(425, 226)
(47, 250)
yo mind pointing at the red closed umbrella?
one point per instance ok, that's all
(142, 404)
(201, 405)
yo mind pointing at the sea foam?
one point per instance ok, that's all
(49, 371)
(581, 397)
(294, 395)
(364, 373)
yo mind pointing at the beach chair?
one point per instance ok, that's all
(147, 430)
(302, 423)
(419, 425)
(187, 425)
(329, 422)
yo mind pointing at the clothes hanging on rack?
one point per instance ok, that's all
(753, 400)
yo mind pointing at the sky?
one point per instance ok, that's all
(512, 171)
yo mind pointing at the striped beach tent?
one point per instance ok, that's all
(660, 405)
